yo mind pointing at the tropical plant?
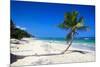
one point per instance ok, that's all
(72, 22)
(18, 33)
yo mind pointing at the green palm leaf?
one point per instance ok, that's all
(83, 28)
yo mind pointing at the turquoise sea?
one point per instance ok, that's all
(83, 43)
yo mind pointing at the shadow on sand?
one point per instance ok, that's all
(14, 58)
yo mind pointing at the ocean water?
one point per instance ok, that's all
(82, 43)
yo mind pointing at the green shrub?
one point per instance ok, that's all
(17, 33)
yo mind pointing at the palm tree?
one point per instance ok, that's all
(72, 22)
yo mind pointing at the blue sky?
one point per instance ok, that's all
(42, 19)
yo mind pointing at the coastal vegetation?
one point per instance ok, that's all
(18, 33)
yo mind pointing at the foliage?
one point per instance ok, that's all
(73, 23)
(17, 33)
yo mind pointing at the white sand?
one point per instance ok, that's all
(35, 50)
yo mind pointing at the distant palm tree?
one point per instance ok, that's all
(72, 22)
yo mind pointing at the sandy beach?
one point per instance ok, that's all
(36, 52)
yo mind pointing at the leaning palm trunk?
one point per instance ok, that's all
(73, 23)
(69, 43)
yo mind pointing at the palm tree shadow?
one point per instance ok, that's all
(14, 58)
(53, 54)
(78, 51)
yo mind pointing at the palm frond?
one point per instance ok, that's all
(63, 26)
(83, 28)
(81, 20)
(74, 16)
(79, 25)
(71, 18)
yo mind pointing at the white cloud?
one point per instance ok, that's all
(22, 28)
